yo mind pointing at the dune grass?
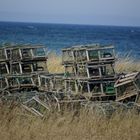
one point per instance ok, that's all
(54, 63)
(127, 65)
(67, 126)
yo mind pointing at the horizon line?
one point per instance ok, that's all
(61, 23)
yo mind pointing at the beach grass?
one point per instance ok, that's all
(54, 63)
(127, 64)
(67, 126)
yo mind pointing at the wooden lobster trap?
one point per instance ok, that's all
(51, 83)
(20, 82)
(128, 88)
(91, 71)
(97, 87)
(28, 67)
(89, 88)
(36, 106)
(26, 53)
(20, 68)
(88, 53)
(100, 53)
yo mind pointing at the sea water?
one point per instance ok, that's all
(57, 36)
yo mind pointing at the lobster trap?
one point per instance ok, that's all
(88, 53)
(20, 82)
(128, 88)
(28, 67)
(28, 52)
(36, 106)
(95, 71)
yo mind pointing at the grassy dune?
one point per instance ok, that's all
(67, 126)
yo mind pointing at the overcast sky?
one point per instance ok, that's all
(96, 12)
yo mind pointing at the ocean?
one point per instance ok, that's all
(57, 36)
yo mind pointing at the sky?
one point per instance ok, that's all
(94, 12)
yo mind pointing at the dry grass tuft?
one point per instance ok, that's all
(127, 65)
(55, 63)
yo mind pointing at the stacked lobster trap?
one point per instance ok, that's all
(89, 76)
(89, 70)
(20, 66)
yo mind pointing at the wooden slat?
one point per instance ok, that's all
(126, 96)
